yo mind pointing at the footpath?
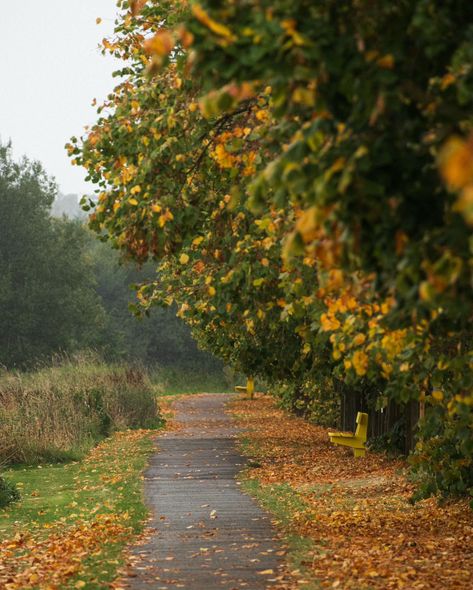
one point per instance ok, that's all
(205, 533)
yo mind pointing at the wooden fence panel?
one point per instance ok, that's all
(380, 421)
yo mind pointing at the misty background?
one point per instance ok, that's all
(61, 290)
(51, 70)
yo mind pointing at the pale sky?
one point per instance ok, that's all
(50, 70)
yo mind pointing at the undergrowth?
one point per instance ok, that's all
(8, 492)
(58, 413)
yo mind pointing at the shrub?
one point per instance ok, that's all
(315, 399)
(8, 493)
(59, 412)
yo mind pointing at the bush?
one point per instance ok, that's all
(315, 399)
(8, 493)
(58, 413)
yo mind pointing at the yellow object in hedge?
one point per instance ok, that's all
(355, 441)
(249, 388)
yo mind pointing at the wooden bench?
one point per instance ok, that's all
(356, 441)
(249, 388)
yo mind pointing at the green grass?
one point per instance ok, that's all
(175, 381)
(279, 499)
(249, 448)
(56, 498)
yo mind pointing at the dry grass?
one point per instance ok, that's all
(59, 412)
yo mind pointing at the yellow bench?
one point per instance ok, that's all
(249, 388)
(355, 441)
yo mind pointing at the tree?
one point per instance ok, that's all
(315, 128)
(159, 338)
(47, 289)
(368, 96)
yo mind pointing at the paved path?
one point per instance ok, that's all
(208, 534)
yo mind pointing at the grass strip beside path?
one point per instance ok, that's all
(349, 523)
(74, 520)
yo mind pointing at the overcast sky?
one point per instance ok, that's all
(50, 70)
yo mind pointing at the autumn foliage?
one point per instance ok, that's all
(303, 175)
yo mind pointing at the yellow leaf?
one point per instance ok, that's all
(456, 162)
(360, 362)
(426, 291)
(464, 204)
(161, 44)
(165, 217)
(262, 115)
(133, 201)
(359, 339)
(335, 279)
(329, 322)
(184, 258)
(304, 96)
(447, 81)
(214, 26)
(137, 6)
(437, 395)
(308, 224)
(386, 62)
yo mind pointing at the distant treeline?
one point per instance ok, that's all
(61, 290)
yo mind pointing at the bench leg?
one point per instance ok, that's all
(359, 452)
(250, 387)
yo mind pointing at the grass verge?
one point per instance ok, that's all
(74, 520)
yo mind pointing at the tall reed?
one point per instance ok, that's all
(58, 412)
